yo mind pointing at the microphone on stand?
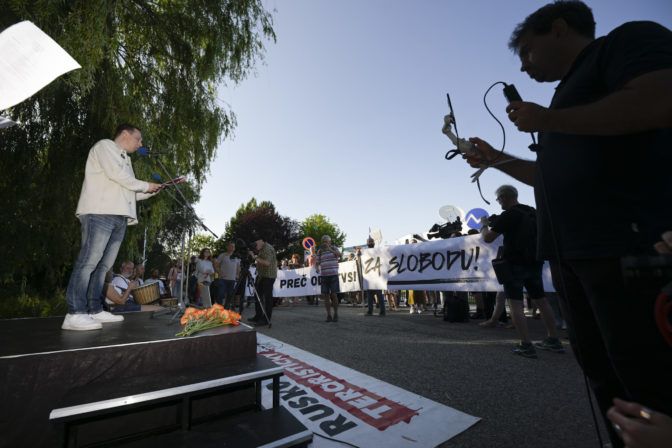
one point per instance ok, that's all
(146, 152)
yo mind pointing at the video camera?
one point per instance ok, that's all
(243, 252)
(445, 230)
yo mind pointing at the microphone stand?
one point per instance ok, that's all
(186, 205)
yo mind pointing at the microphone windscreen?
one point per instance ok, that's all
(142, 151)
(156, 177)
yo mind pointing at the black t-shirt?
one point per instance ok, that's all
(599, 186)
(515, 240)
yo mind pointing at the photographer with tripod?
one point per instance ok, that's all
(267, 271)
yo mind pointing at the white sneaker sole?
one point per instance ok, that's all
(82, 328)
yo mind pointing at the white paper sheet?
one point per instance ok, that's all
(29, 60)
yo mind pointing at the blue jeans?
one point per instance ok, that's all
(370, 300)
(101, 237)
(225, 292)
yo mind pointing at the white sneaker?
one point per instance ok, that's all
(104, 316)
(80, 322)
(412, 310)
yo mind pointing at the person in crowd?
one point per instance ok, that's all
(228, 272)
(327, 267)
(371, 292)
(610, 207)
(416, 299)
(119, 292)
(175, 278)
(139, 273)
(267, 271)
(156, 278)
(499, 311)
(524, 270)
(106, 206)
(393, 298)
(311, 261)
(205, 270)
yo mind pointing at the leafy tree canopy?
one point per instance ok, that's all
(260, 220)
(316, 226)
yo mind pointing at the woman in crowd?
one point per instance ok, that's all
(175, 278)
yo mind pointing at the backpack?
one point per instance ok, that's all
(455, 307)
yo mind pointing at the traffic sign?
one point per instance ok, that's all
(473, 218)
(308, 242)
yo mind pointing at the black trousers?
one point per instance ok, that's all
(264, 287)
(613, 334)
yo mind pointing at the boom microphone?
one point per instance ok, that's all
(146, 152)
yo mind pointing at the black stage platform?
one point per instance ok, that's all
(42, 365)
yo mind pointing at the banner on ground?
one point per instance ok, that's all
(454, 264)
(334, 401)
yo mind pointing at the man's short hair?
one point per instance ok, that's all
(577, 14)
(507, 190)
(126, 263)
(125, 127)
(325, 237)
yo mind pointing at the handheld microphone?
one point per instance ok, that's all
(511, 94)
(146, 152)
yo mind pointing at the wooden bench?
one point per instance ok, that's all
(98, 401)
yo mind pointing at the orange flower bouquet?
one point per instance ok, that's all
(194, 320)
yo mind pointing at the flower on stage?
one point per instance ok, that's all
(195, 320)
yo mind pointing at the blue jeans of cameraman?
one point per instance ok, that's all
(101, 238)
(370, 300)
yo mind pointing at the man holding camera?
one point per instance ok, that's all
(602, 187)
(267, 271)
(521, 269)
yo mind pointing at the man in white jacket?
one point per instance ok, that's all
(106, 206)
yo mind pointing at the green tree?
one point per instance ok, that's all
(316, 226)
(154, 64)
(201, 241)
(260, 220)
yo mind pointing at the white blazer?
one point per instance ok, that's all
(110, 186)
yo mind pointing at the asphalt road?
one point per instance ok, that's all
(521, 402)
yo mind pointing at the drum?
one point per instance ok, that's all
(169, 301)
(146, 293)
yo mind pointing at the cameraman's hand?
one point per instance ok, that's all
(664, 246)
(447, 120)
(638, 432)
(484, 222)
(528, 117)
(476, 160)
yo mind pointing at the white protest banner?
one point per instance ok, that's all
(296, 282)
(307, 282)
(454, 264)
(346, 405)
(348, 276)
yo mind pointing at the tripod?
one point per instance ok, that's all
(247, 281)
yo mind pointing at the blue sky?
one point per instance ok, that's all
(344, 117)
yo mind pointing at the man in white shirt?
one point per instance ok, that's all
(106, 205)
(228, 271)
